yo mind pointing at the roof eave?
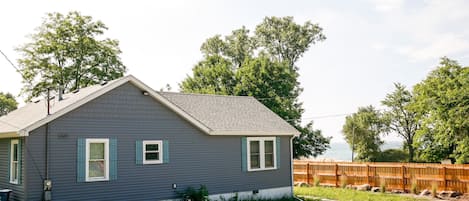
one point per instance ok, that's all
(75, 105)
(171, 106)
(254, 133)
(110, 87)
(10, 135)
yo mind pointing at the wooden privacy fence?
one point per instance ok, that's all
(396, 176)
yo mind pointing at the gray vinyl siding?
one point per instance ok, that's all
(18, 189)
(125, 114)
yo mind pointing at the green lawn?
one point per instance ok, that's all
(349, 195)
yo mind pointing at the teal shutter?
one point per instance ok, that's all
(9, 161)
(20, 160)
(277, 152)
(165, 151)
(81, 160)
(139, 152)
(244, 154)
(112, 159)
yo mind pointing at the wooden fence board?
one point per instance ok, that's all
(397, 176)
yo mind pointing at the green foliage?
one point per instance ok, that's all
(341, 194)
(362, 132)
(285, 40)
(310, 142)
(413, 186)
(382, 185)
(392, 155)
(262, 66)
(273, 83)
(434, 190)
(66, 52)
(442, 102)
(264, 199)
(343, 181)
(400, 117)
(213, 75)
(316, 180)
(7, 103)
(193, 194)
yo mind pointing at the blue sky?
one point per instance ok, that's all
(370, 43)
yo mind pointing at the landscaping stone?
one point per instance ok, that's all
(375, 189)
(304, 185)
(364, 187)
(397, 191)
(425, 192)
(450, 194)
(350, 186)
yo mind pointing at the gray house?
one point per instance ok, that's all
(124, 141)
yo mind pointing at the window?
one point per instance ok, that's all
(97, 159)
(14, 161)
(152, 152)
(261, 153)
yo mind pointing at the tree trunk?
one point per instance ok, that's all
(411, 150)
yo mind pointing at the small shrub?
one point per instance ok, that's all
(316, 180)
(192, 194)
(382, 185)
(343, 181)
(413, 187)
(434, 189)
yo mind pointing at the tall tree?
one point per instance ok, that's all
(442, 100)
(273, 83)
(285, 40)
(214, 75)
(240, 64)
(66, 53)
(7, 103)
(362, 132)
(401, 118)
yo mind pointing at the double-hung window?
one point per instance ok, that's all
(14, 161)
(152, 152)
(261, 153)
(97, 159)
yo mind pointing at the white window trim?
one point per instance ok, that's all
(12, 143)
(160, 151)
(106, 159)
(261, 152)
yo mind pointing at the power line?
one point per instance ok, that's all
(13, 65)
(327, 116)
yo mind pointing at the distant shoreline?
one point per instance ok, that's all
(340, 151)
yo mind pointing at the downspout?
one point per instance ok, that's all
(47, 182)
(46, 136)
(291, 165)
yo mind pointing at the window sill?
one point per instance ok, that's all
(263, 169)
(96, 179)
(14, 182)
(152, 162)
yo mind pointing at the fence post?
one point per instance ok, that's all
(307, 173)
(336, 175)
(403, 178)
(444, 178)
(368, 174)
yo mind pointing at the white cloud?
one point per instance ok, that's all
(445, 45)
(433, 30)
(378, 46)
(387, 5)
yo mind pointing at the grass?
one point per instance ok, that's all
(349, 195)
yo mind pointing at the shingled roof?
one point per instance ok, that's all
(236, 115)
(213, 114)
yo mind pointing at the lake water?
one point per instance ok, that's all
(340, 151)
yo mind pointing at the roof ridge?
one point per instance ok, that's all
(196, 94)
